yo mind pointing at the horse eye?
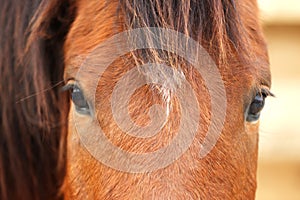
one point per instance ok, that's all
(81, 104)
(255, 107)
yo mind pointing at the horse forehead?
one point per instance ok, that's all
(97, 21)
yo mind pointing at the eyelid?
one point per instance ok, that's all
(69, 85)
(265, 91)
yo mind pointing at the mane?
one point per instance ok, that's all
(33, 111)
(215, 24)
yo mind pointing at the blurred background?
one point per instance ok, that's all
(279, 156)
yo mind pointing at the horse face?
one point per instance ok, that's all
(227, 171)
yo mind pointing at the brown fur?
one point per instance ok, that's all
(230, 32)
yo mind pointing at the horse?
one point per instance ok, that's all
(52, 96)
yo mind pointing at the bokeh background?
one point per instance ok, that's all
(279, 153)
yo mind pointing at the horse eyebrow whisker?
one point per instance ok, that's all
(40, 92)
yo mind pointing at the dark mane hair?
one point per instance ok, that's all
(33, 112)
(216, 24)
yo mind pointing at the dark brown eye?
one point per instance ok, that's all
(80, 102)
(255, 107)
(257, 104)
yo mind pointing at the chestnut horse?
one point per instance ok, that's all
(44, 45)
